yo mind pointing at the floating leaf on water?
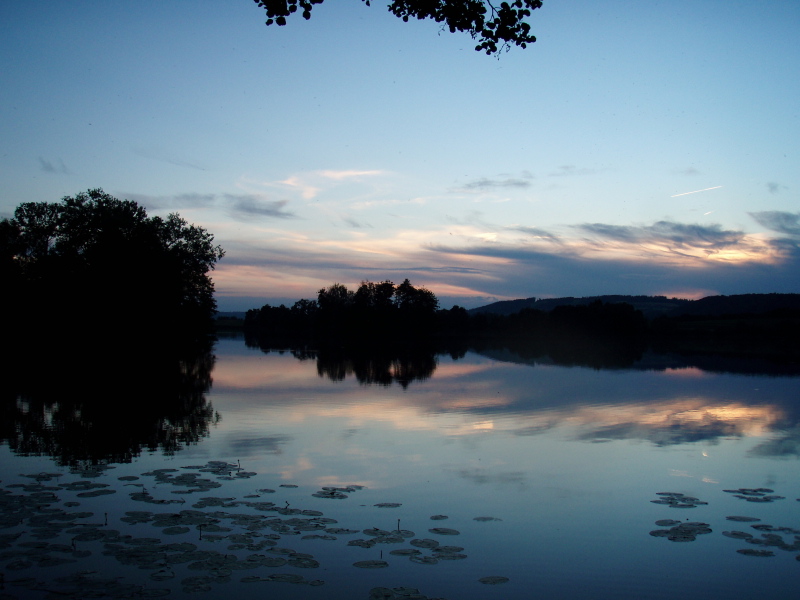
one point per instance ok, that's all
(374, 531)
(371, 564)
(423, 560)
(406, 533)
(660, 533)
(341, 531)
(449, 556)
(265, 491)
(754, 552)
(667, 522)
(444, 531)
(303, 563)
(175, 530)
(332, 494)
(742, 519)
(388, 504)
(163, 575)
(362, 543)
(439, 517)
(288, 485)
(94, 493)
(381, 593)
(739, 535)
(286, 578)
(486, 519)
(405, 552)
(424, 543)
(493, 579)
(128, 478)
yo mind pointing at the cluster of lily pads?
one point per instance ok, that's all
(771, 536)
(677, 500)
(755, 494)
(56, 536)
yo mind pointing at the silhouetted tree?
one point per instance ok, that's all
(93, 262)
(496, 28)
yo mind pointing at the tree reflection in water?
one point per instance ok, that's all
(95, 404)
(373, 365)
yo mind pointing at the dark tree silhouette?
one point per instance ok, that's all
(496, 28)
(96, 263)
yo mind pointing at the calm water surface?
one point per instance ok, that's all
(548, 475)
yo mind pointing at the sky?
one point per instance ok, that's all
(638, 147)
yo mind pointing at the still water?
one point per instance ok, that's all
(289, 470)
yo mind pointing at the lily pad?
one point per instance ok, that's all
(444, 531)
(371, 564)
(493, 579)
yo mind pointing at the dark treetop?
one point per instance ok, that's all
(494, 27)
(93, 263)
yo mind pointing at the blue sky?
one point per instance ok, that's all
(357, 147)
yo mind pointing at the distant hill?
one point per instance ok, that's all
(651, 306)
(742, 304)
(654, 306)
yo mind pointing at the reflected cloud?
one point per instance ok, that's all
(256, 446)
(785, 444)
(483, 476)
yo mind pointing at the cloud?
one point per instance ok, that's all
(689, 171)
(535, 232)
(520, 262)
(246, 206)
(243, 207)
(781, 222)
(188, 200)
(708, 238)
(354, 223)
(348, 174)
(774, 187)
(49, 167)
(487, 184)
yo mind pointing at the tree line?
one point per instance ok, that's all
(383, 312)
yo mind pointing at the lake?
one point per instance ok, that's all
(464, 476)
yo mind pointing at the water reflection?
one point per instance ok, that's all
(666, 400)
(103, 405)
(564, 460)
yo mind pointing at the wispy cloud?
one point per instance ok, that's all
(247, 206)
(710, 238)
(242, 207)
(775, 187)
(688, 171)
(56, 166)
(467, 265)
(521, 181)
(785, 223)
(187, 200)
(348, 174)
(534, 232)
(486, 184)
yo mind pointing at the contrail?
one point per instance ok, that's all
(694, 192)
